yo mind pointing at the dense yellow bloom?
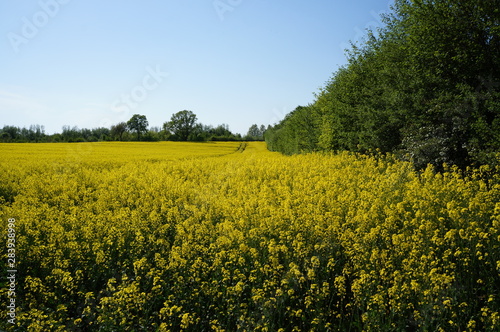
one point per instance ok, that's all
(231, 237)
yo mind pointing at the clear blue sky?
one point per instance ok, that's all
(96, 63)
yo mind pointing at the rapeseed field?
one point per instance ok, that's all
(232, 237)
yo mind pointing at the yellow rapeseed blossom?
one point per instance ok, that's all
(231, 237)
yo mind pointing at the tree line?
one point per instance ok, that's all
(183, 126)
(425, 86)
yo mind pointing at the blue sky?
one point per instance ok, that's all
(96, 63)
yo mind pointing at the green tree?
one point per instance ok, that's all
(425, 86)
(453, 54)
(36, 133)
(72, 134)
(296, 133)
(118, 130)
(181, 124)
(254, 133)
(139, 124)
(10, 133)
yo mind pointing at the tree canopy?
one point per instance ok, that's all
(118, 130)
(185, 128)
(426, 86)
(181, 124)
(255, 133)
(139, 124)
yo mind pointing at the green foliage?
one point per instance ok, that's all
(425, 86)
(139, 124)
(219, 133)
(135, 128)
(297, 133)
(183, 127)
(182, 124)
(118, 130)
(255, 133)
(35, 133)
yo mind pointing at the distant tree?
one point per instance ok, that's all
(253, 131)
(197, 134)
(86, 134)
(72, 134)
(181, 124)
(222, 130)
(5, 137)
(256, 133)
(151, 136)
(10, 133)
(296, 133)
(139, 124)
(36, 133)
(118, 130)
(262, 130)
(101, 134)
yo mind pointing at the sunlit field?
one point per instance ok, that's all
(231, 237)
(115, 152)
